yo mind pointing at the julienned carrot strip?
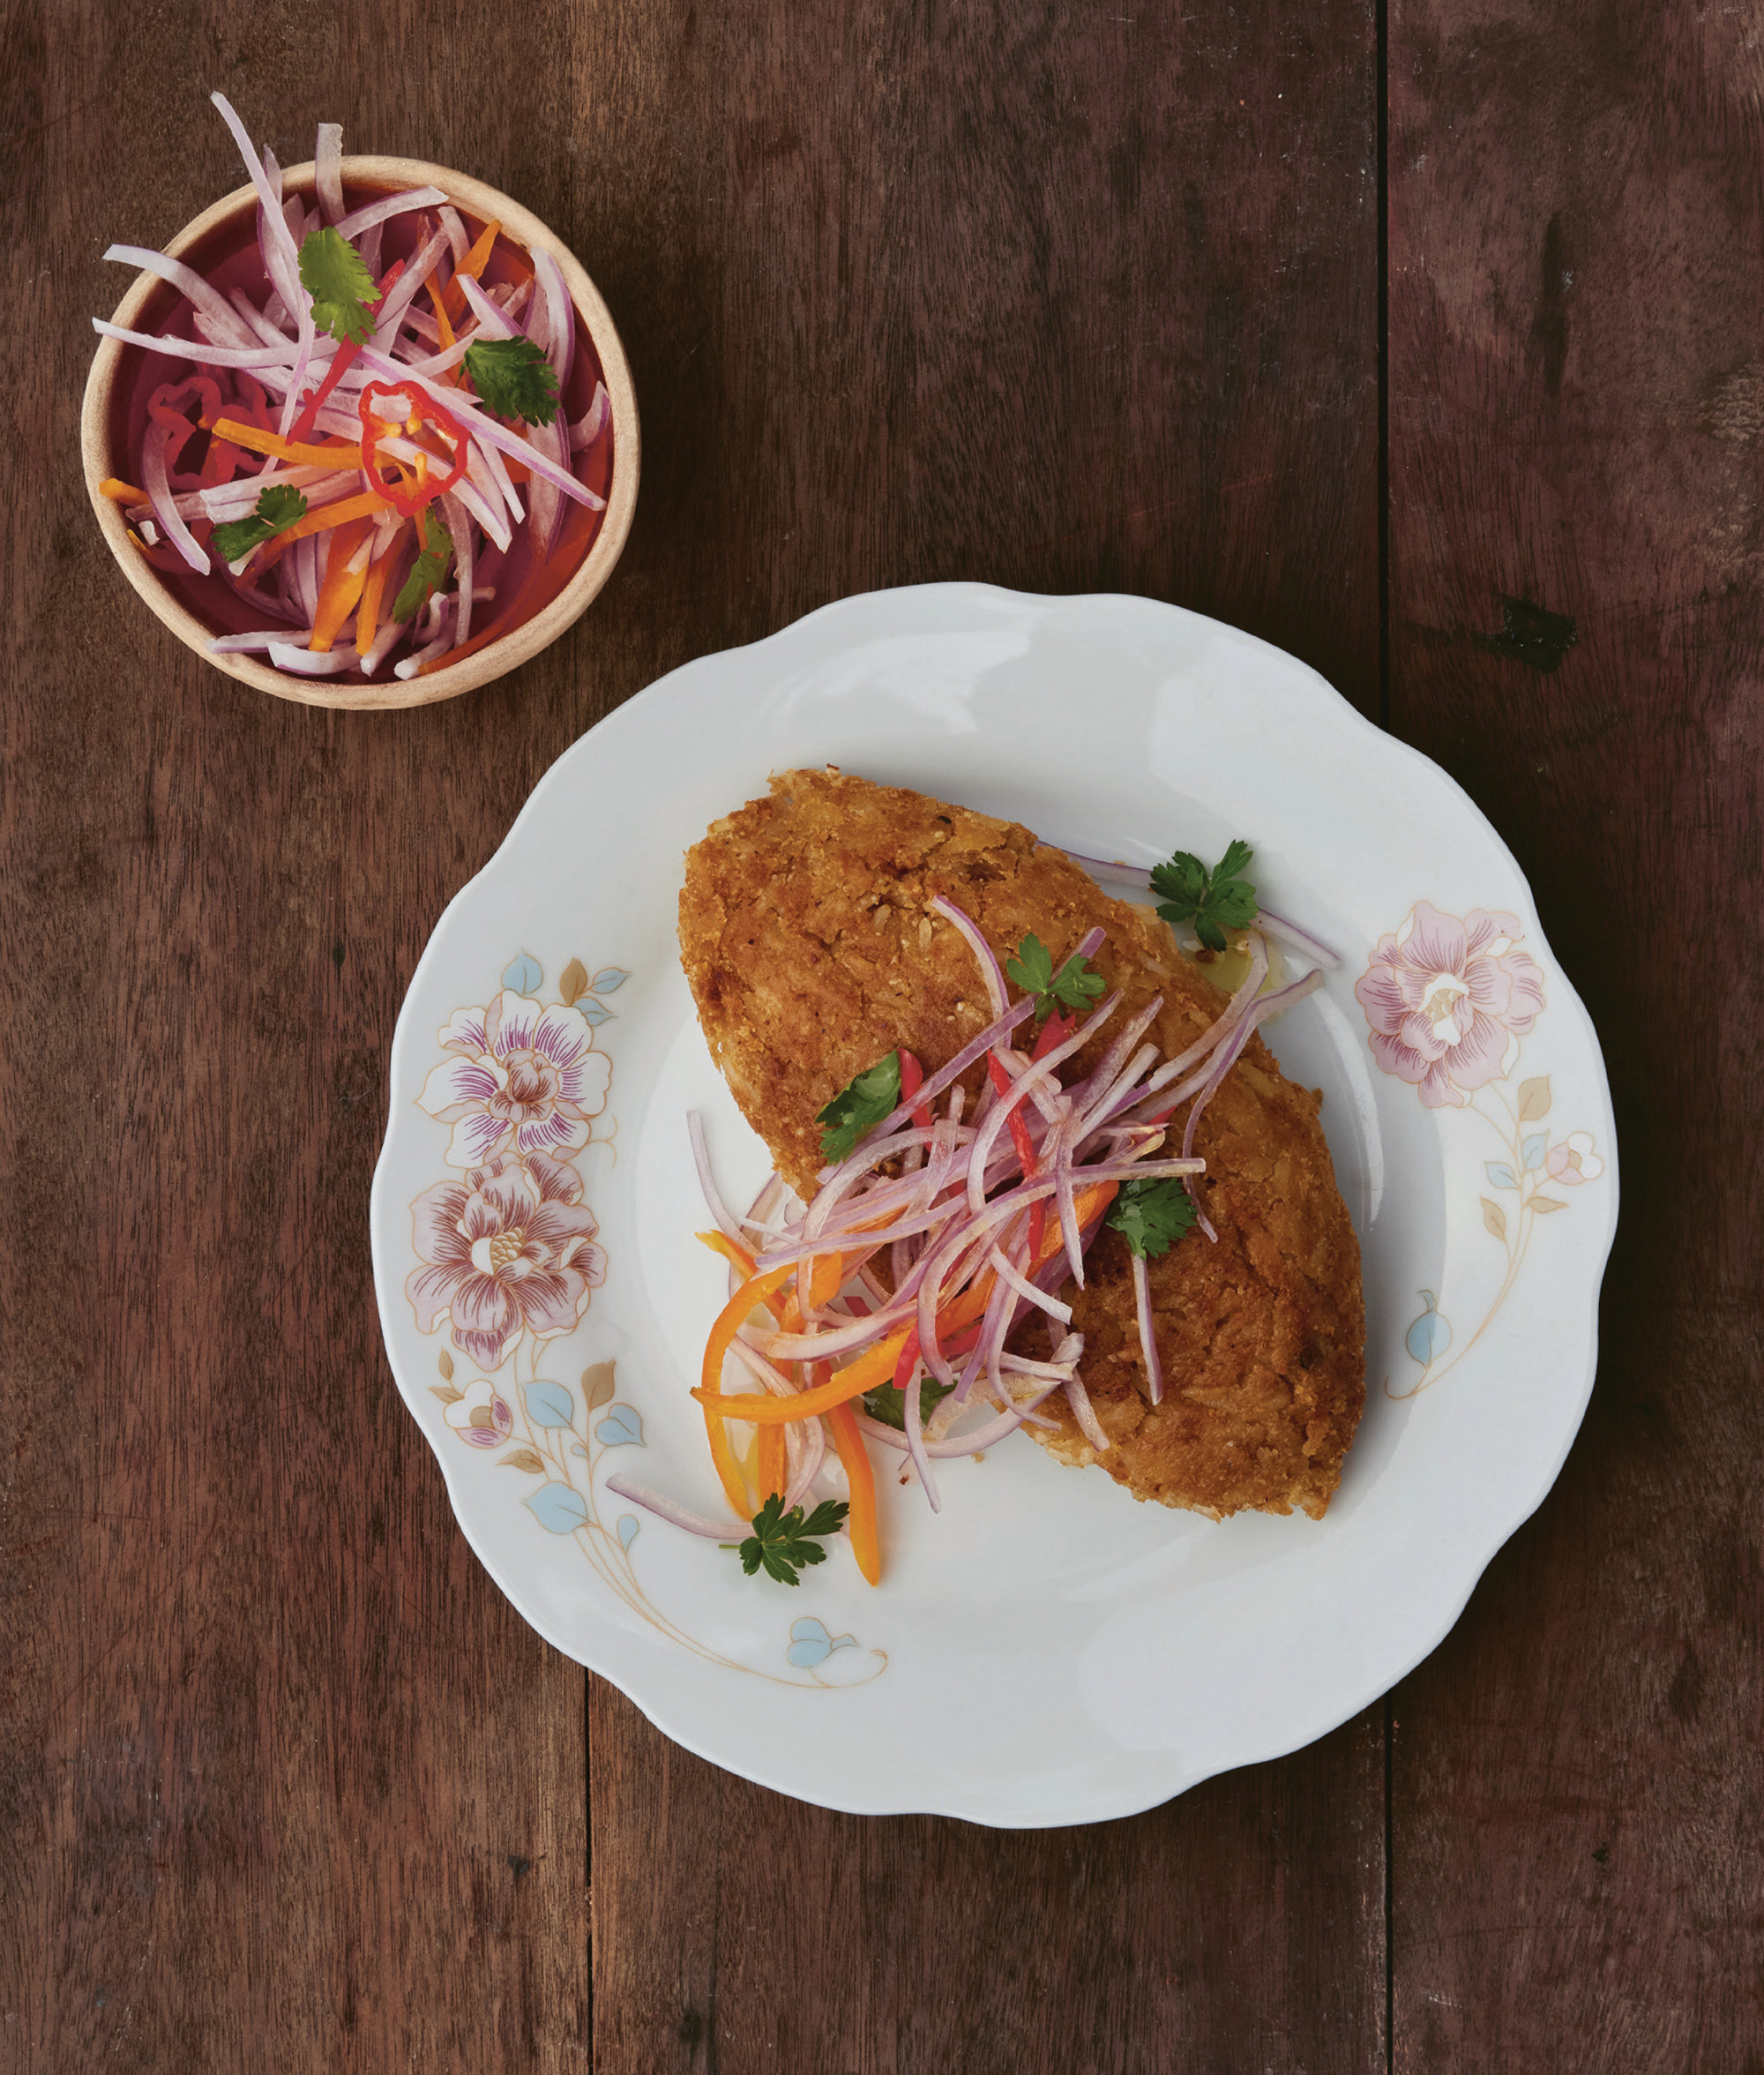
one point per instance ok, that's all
(342, 454)
(848, 1438)
(341, 589)
(729, 1319)
(121, 493)
(443, 323)
(474, 265)
(366, 506)
(373, 594)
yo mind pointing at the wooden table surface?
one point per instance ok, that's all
(1422, 341)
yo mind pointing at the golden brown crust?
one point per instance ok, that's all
(807, 939)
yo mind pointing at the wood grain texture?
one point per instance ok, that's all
(1575, 231)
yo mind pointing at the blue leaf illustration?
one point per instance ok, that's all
(550, 1404)
(557, 1507)
(1500, 1174)
(810, 1645)
(608, 979)
(525, 975)
(623, 1428)
(628, 1525)
(1533, 1150)
(1430, 1335)
(593, 1013)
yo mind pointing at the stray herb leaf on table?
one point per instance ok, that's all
(1073, 986)
(1215, 901)
(783, 1542)
(864, 1100)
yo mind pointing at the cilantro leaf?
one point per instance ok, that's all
(276, 509)
(514, 380)
(781, 1542)
(1213, 901)
(866, 1099)
(889, 1405)
(430, 569)
(1032, 969)
(1152, 1216)
(336, 277)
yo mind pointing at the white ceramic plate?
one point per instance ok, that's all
(1047, 1651)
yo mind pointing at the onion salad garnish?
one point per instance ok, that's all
(360, 436)
(883, 1310)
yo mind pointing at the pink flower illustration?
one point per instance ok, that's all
(1448, 1001)
(522, 1078)
(483, 1418)
(1573, 1161)
(507, 1247)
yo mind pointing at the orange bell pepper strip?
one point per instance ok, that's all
(848, 1438)
(342, 586)
(729, 1319)
(774, 1470)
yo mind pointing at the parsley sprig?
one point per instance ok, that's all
(889, 1405)
(1213, 901)
(336, 277)
(429, 572)
(514, 380)
(1073, 986)
(1152, 1216)
(276, 509)
(781, 1541)
(865, 1100)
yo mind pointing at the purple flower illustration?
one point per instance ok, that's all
(483, 1418)
(1448, 1001)
(1573, 1161)
(507, 1247)
(521, 1078)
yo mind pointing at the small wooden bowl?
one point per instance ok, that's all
(474, 200)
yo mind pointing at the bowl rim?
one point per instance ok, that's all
(484, 664)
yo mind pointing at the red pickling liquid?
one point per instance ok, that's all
(229, 258)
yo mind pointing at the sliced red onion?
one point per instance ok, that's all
(1300, 939)
(390, 314)
(814, 1454)
(991, 971)
(701, 1160)
(459, 525)
(386, 208)
(327, 167)
(491, 316)
(1079, 1398)
(916, 1440)
(675, 1514)
(1142, 1310)
(1024, 1287)
(154, 480)
(960, 1444)
(304, 663)
(189, 283)
(594, 421)
(197, 350)
(242, 644)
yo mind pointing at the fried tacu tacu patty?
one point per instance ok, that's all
(811, 951)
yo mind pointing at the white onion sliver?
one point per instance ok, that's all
(388, 206)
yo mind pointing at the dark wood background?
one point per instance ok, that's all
(1413, 338)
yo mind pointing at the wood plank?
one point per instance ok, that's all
(285, 1781)
(1064, 302)
(1576, 302)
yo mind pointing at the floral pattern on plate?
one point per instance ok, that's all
(1448, 1000)
(509, 1261)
